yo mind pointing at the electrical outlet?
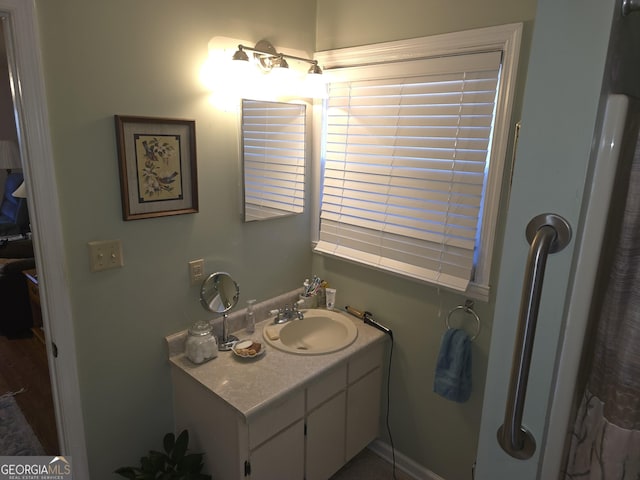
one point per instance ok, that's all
(105, 254)
(196, 271)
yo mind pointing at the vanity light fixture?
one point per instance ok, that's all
(269, 59)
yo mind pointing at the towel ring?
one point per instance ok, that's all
(468, 308)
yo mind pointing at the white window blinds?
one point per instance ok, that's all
(273, 143)
(405, 152)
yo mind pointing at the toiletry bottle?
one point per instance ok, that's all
(330, 294)
(251, 317)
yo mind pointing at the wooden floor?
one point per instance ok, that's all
(23, 364)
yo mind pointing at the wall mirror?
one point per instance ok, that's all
(273, 158)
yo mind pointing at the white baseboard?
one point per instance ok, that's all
(404, 463)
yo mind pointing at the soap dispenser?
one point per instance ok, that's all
(251, 317)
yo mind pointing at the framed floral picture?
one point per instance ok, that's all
(158, 171)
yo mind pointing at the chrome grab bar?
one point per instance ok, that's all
(546, 233)
(630, 6)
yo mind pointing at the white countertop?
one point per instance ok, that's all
(249, 385)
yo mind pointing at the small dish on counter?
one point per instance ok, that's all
(248, 349)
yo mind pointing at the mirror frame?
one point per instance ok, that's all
(210, 292)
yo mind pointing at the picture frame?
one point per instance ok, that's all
(158, 168)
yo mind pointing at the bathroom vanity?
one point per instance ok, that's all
(280, 415)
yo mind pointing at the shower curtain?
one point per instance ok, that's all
(605, 439)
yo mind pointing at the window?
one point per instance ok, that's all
(412, 144)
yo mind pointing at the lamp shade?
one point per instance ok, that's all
(315, 86)
(20, 192)
(9, 155)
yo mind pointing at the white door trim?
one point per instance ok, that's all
(589, 248)
(23, 52)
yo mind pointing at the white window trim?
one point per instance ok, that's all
(503, 37)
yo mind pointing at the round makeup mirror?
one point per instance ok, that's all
(219, 294)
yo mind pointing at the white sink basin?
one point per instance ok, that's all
(321, 331)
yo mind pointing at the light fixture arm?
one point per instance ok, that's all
(264, 48)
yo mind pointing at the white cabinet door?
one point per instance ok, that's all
(325, 438)
(281, 457)
(363, 412)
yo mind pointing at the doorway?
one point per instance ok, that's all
(24, 366)
(23, 45)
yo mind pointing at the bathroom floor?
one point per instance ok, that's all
(369, 466)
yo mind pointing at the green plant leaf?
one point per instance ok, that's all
(180, 447)
(199, 476)
(169, 442)
(158, 460)
(147, 464)
(191, 463)
(175, 464)
(127, 472)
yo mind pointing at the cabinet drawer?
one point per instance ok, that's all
(275, 419)
(365, 362)
(324, 388)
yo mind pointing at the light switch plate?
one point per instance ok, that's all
(105, 254)
(196, 271)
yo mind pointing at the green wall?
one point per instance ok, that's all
(361, 22)
(143, 58)
(436, 433)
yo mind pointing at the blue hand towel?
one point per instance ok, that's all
(453, 368)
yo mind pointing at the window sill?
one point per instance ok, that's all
(475, 291)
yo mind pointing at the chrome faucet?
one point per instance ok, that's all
(287, 313)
